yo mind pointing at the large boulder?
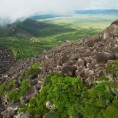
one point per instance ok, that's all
(68, 70)
(91, 41)
(103, 57)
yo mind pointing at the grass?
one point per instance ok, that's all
(84, 21)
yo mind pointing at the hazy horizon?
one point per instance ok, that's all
(11, 10)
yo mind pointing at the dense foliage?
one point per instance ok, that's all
(72, 98)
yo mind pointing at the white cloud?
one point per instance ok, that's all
(15, 9)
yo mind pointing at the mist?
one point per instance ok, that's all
(12, 10)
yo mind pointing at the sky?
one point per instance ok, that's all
(15, 9)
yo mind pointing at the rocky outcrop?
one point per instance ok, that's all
(84, 58)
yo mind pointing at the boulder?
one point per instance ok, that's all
(68, 70)
(90, 42)
(31, 92)
(81, 62)
(103, 57)
(50, 105)
(26, 115)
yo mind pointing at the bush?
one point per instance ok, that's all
(4, 87)
(112, 68)
(33, 72)
(15, 94)
(72, 98)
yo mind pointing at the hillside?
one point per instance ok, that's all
(30, 27)
(75, 79)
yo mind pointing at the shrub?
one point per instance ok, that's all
(33, 72)
(15, 94)
(64, 92)
(4, 87)
(112, 68)
(72, 98)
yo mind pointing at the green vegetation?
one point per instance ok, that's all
(68, 95)
(77, 34)
(112, 69)
(84, 21)
(4, 87)
(72, 98)
(30, 38)
(33, 72)
(15, 94)
(41, 29)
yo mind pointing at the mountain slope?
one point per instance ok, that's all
(30, 27)
(84, 70)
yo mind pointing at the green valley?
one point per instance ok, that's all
(30, 37)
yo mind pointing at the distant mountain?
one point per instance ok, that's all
(30, 27)
(110, 11)
(45, 16)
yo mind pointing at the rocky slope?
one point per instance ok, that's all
(85, 59)
(6, 60)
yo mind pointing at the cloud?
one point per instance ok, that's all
(15, 9)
